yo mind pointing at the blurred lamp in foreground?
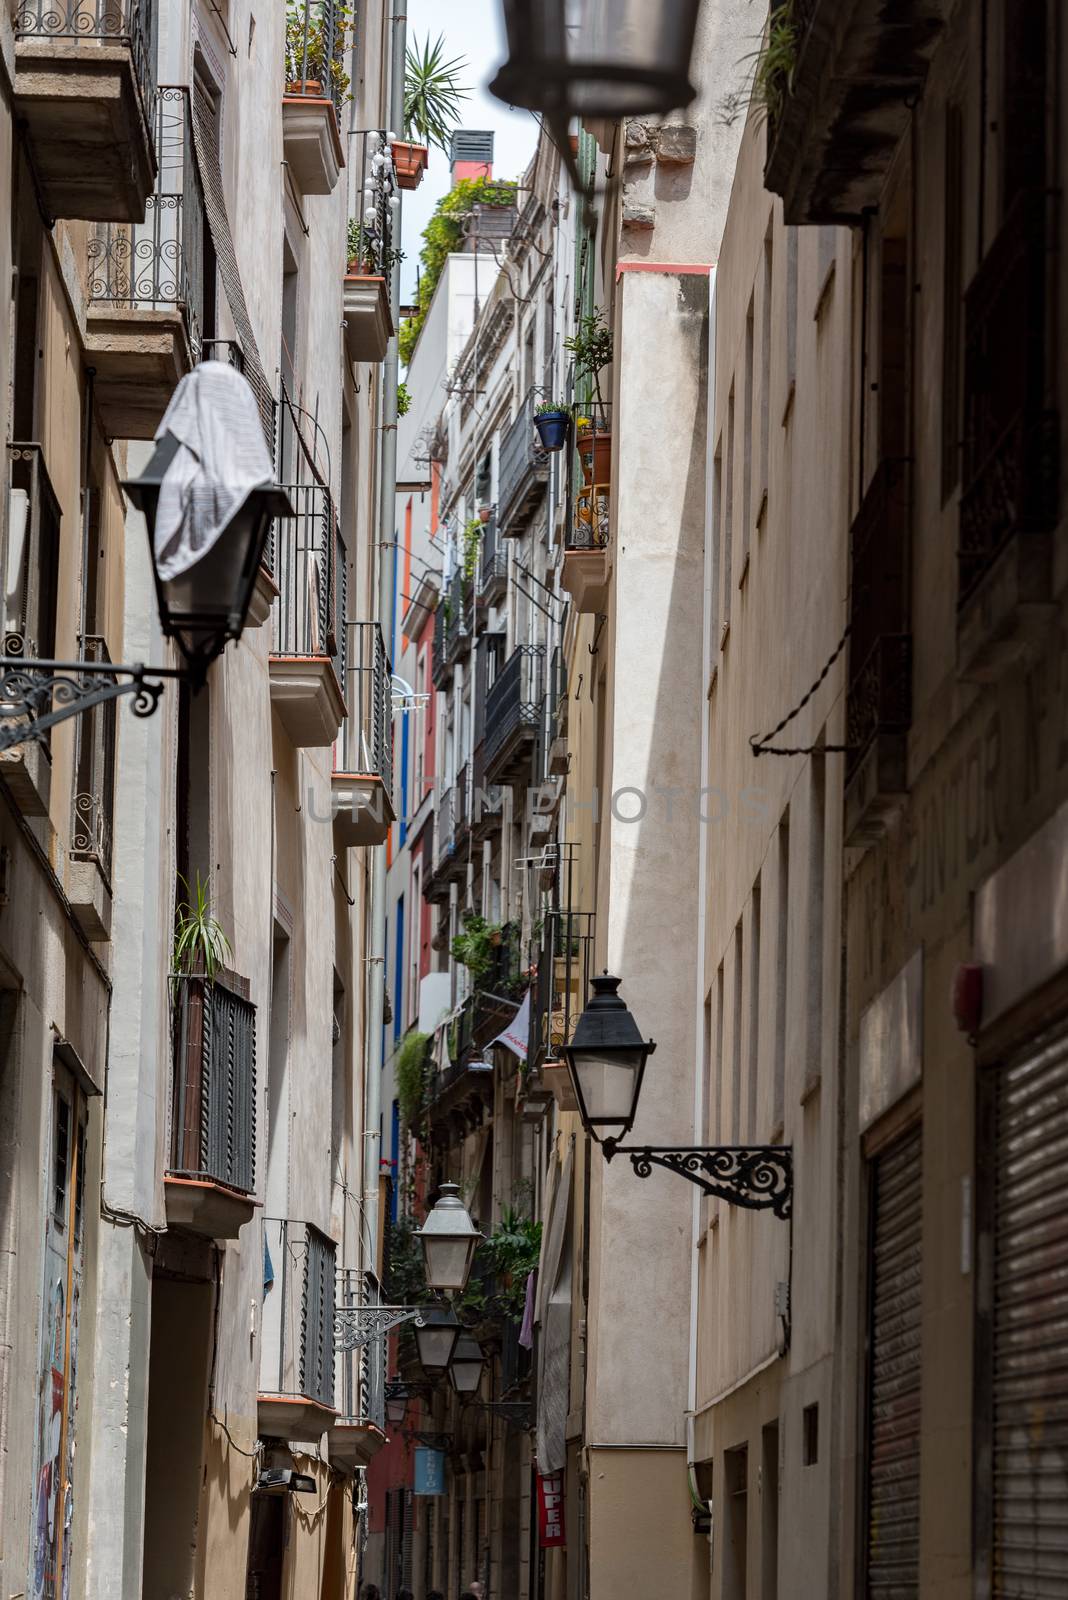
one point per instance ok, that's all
(598, 58)
(449, 1239)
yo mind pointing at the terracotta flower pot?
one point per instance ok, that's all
(310, 87)
(595, 449)
(409, 163)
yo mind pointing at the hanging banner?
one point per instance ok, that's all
(429, 1471)
(551, 1510)
(516, 1036)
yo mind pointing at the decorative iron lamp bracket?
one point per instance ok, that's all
(359, 1325)
(516, 1413)
(36, 695)
(431, 1441)
(755, 1177)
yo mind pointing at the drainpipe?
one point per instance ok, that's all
(387, 522)
(702, 870)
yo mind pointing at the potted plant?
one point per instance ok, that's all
(591, 346)
(472, 545)
(551, 419)
(312, 68)
(432, 98)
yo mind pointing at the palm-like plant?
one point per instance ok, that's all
(200, 945)
(432, 92)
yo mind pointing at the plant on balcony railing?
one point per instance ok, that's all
(474, 945)
(200, 945)
(776, 60)
(315, 49)
(432, 92)
(496, 1289)
(410, 1077)
(443, 235)
(591, 346)
(472, 547)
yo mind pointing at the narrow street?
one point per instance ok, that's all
(533, 800)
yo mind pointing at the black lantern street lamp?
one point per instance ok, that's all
(449, 1240)
(396, 1407)
(205, 607)
(606, 1060)
(615, 58)
(201, 608)
(467, 1365)
(436, 1339)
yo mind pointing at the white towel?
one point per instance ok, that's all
(221, 457)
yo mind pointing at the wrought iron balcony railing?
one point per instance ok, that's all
(515, 703)
(93, 809)
(129, 22)
(302, 558)
(444, 825)
(361, 1386)
(315, 51)
(367, 682)
(298, 1312)
(1010, 479)
(524, 468)
(493, 566)
(213, 1118)
(158, 264)
(371, 233)
(565, 962)
(879, 698)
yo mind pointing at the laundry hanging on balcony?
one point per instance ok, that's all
(516, 1036)
(221, 457)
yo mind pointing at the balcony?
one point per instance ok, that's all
(30, 607)
(316, 88)
(368, 321)
(523, 472)
(93, 809)
(558, 761)
(84, 93)
(211, 1179)
(358, 1431)
(514, 710)
(493, 566)
(448, 864)
(879, 697)
(144, 290)
(565, 961)
(837, 114)
(363, 809)
(306, 657)
(1010, 481)
(296, 1394)
(586, 568)
(486, 798)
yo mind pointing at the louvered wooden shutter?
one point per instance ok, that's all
(893, 1466)
(206, 143)
(1030, 1315)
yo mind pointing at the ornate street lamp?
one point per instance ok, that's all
(203, 600)
(205, 607)
(449, 1240)
(603, 58)
(606, 1059)
(436, 1338)
(467, 1365)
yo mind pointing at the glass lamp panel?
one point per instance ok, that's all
(447, 1261)
(608, 1082)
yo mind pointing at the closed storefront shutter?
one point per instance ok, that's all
(893, 1467)
(1030, 1322)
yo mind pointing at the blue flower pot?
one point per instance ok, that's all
(552, 429)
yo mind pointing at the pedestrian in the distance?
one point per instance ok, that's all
(405, 1594)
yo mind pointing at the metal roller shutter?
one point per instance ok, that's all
(1030, 1324)
(893, 1476)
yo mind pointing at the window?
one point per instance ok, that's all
(769, 1511)
(736, 1518)
(61, 1162)
(747, 442)
(736, 1039)
(765, 367)
(810, 1435)
(398, 972)
(952, 299)
(814, 897)
(728, 515)
(791, 317)
(782, 942)
(753, 1053)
